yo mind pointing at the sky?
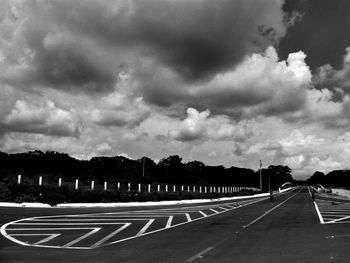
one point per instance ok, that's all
(223, 82)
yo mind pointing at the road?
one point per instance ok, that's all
(289, 229)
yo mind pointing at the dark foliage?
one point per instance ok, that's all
(337, 178)
(169, 170)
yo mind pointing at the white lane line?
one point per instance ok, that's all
(203, 214)
(269, 211)
(199, 255)
(340, 219)
(52, 236)
(216, 212)
(3, 228)
(144, 229)
(82, 237)
(188, 217)
(335, 236)
(318, 213)
(170, 220)
(223, 208)
(176, 225)
(100, 242)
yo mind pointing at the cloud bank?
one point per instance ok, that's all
(196, 78)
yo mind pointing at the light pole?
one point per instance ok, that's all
(260, 176)
(143, 167)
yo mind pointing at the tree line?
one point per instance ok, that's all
(337, 178)
(171, 169)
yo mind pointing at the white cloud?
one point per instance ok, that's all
(199, 126)
(45, 118)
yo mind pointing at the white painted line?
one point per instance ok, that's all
(52, 236)
(170, 220)
(216, 212)
(223, 208)
(100, 242)
(269, 211)
(199, 255)
(308, 188)
(203, 214)
(82, 237)
(340, 219)
(318, 213)
(337, 236)
(188, 217)
(144, 229)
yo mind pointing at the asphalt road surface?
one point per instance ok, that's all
(290, 229)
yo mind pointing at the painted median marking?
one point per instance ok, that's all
(331, 212)
(90, 231)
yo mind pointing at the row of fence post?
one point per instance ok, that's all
(200, 189)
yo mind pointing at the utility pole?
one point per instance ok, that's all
(260, 176)
(143, 167)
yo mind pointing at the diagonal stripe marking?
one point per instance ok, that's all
(82, 237)
(98, 243)
(144, 229)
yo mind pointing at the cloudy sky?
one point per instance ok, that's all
(223, 82)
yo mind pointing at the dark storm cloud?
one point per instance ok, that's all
(196, 38)
(322, 33)
(82, 44)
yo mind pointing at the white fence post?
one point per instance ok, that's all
(188, 188)
(205, 189)
(174, 188)
(129, 187)
(166, 188)
(139, 187)
(105, 186)
(92, 185)
(76, 184)
(182, 188)
(19, 178)
(59, 182)
(40, 180)
(158, 188)
(200, 189)
(149, 188)
(118, 186)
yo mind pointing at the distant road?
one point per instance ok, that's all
(288, 229)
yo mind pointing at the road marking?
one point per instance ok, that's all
(269, 211)
(80, 221)
(318, 213)
(339, 219)
(52, 236)
(203, 214)
(143, 230)
(335, 236)
(98, 243)
(199, 255)
(168, 223)
(82, 237)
